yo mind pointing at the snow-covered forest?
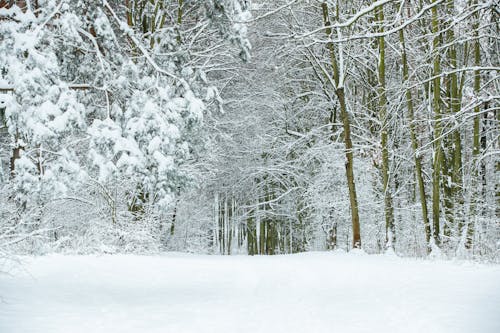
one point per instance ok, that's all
(142, 142)
(262, 127)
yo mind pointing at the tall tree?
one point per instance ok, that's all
(338, 70)
(383, 116)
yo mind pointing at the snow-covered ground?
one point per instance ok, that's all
(315, 292)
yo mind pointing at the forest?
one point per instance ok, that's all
(250, 127)
(251, 166)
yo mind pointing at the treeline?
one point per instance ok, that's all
(370, 124)
(347, 124)
(102, 112)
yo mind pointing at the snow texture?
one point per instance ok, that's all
(314, 292)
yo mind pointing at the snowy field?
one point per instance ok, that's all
(316, 292)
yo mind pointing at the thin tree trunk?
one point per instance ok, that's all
(174, 218)
(476, 148)
(16, 154)
(454, 168)
(386, 188)
(414, 144)
(436, 101)
(349, 164)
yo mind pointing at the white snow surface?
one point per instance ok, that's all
(313, 292)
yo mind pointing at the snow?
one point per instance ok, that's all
(314, 292)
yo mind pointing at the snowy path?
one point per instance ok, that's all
(316, 292)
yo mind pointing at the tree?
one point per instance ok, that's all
(137, 107)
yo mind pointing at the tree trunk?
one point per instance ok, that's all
(349, 166)
(436, 101)
(414, 144)
(476, 148)
(386, 188)
(455, 164)
(349, 163)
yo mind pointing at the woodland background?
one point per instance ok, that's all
(262, 127)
